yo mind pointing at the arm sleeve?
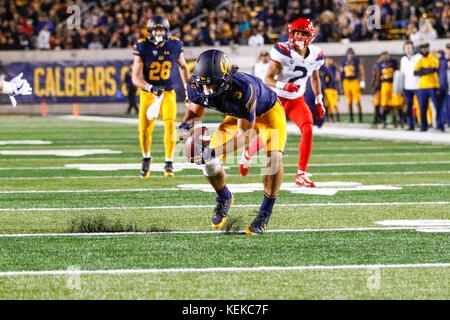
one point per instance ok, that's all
(275, 53)
(250, 102)
(136, 49)
(180, 48)
(320, 60)
(192, 95)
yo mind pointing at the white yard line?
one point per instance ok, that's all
(222, 269)
(91, 190)
(325, 204)
(338, 164)
(357, 147)
(24, 142)
(114, 234)
(365, 173)
(329, 130)
(366, 133)
(314, 154)
(169, 189)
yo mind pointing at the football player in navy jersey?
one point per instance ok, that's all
(155, 59)
(249, 105)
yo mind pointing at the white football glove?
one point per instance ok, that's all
(362, 84)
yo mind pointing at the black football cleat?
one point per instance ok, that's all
(259, 224)
(145, 169)
(168, 169)
(220, 217)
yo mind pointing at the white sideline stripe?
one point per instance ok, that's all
(93, 190)
(24, 142)
(235, 175)
(329, 204)
(221, 269)
(109, 234)
(375, 163)
(328, 130)
(374, 134)
(315, 154)
(338, 164)
(171, 189)
(362, 147)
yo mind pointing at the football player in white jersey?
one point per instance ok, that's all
(292, 63)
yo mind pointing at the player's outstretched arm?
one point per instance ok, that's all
(272, 71)
(316, 86)
(362, 75)
(184, 69)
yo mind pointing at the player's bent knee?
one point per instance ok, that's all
(307, 129)
(274, 163)
(212, 167)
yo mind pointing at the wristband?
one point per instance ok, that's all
(319, 98)
(148, 87)
(184, 126)
(280, 85)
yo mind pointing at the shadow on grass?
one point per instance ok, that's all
(100, 223)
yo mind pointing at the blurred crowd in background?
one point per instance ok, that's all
(41, 24)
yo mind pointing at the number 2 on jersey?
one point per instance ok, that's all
(160, 71)
(299, 68)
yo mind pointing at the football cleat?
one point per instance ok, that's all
(168, 169)
(145, 169)
(259, 224)
(220, 218)
(244, 167)
(302, 180)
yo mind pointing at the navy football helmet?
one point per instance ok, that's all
(158, 22)
(214, 70)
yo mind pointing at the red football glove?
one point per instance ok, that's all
(320, 109)
(291, 87)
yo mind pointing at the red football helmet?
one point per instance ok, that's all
(301, 33)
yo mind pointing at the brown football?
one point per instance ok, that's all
(199, 136)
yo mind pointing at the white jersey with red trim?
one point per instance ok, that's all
(295, 68)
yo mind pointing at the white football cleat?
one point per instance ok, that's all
(302, 180)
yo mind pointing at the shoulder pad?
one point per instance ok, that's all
(283, 48)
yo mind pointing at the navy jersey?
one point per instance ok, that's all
(350, 69)
(239, 100)
(328, 76)
(387, 69)
(159, 61)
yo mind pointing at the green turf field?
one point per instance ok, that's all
(67, 233)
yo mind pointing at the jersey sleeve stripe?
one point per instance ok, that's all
(283, 50)
(320, 56)
(250, 103)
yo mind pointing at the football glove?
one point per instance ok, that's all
(289, 87)
(320, 109)
(156, 90)
(183, 131)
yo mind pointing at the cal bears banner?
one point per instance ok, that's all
(78, 81)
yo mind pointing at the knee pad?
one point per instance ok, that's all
(212, 167)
